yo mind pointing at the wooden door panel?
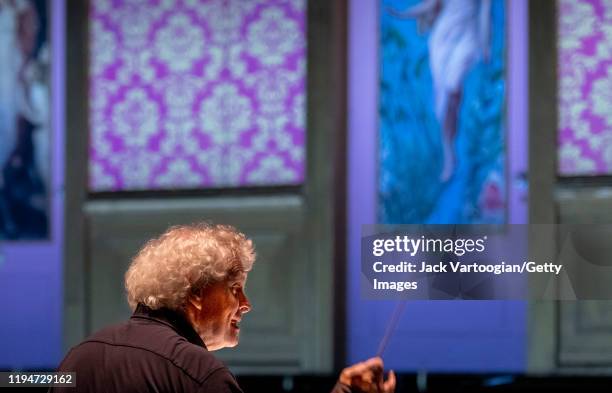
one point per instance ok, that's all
(298, 233)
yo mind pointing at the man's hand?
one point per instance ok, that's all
(368, 377)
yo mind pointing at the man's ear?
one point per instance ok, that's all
(195, 300)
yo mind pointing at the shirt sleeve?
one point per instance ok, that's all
(220, 381)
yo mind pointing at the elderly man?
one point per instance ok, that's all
(187, 290)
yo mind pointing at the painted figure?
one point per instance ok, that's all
(459, 38)
(24, 130)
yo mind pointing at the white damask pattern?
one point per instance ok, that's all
(194, 94)
(273, 37)
(135, 118)
(179, 43)
(226, 114)
(585, 88)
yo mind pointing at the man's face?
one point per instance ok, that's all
(222, 306)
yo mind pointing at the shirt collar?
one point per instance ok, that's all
(171, 318)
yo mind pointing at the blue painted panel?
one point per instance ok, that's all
(442, 99)
(31, 271)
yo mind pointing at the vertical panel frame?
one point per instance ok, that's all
(543, 315)
(77, 60)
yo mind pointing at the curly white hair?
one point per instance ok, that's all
(183, 260)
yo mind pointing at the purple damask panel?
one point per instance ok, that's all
(585, 87)
(192, 94)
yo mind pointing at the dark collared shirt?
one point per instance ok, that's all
(154, 351)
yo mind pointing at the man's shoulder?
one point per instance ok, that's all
(198, 361)
(157, 341)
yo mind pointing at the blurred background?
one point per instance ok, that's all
(298, 122)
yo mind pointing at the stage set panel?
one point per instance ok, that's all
(254, 142)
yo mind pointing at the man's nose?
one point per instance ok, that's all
(245, 305)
